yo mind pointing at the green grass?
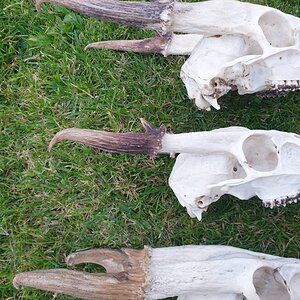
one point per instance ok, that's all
(75, 198)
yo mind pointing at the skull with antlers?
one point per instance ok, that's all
(233, 45)
(189, 272)
(233, 160)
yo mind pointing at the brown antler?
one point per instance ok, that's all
(189, 272)
(148, 142)
(125, 278)
(132, 13)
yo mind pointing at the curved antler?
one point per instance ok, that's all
(125, 278)
(189, 272)
(150, 15)
(149, 142)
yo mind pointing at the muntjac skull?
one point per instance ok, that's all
(233, 160)
(233, 45)
(189, 272)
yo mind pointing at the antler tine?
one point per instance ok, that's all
(112, 260)
(157, 44)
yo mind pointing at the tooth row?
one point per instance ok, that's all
(282, 201)
(280, 88)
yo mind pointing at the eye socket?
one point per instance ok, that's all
(260, 152)
(269, 284)
(277, 29)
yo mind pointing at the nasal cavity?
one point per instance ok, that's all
(260, 152)
(277, 29)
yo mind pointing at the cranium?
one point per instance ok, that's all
(254, 49)
(189, 272)
(233, 45)
(233, 160)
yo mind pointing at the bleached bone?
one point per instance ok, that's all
(233, 45)
(189, 272)
(234, 160)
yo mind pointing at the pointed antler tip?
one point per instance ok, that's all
(20, 280)
(87, 47)
(16, 282)
(145, 123)
(99, 45)
(62, 135)
(52, 143)
(147, 126)
(70, 259)
(125, 277)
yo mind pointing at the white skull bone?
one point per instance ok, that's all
(251, 48)
(234, 160)
(240, 162)
(233, 45)
(189, 272)
(237, 62)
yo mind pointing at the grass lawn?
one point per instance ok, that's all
(75, 198)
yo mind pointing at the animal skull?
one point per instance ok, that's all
(233, 45)
(252, 49)
(189, 272)
(234, 160)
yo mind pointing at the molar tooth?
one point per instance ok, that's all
(272, 204)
